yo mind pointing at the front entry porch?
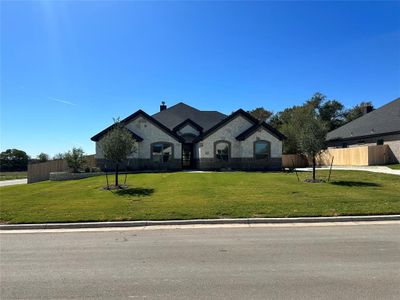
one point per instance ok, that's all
(187, 156)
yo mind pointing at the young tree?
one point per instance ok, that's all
(311, 137)
(261, 114)
(42, 157)
(13, 160)
(75, 159)
(117, 144)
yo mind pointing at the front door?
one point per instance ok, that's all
(187, 156)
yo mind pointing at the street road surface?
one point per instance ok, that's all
(329, 262)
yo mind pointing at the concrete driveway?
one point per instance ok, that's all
(375, 169)
(13, 182)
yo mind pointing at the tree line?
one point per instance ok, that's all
(17, 160)
(330, 112)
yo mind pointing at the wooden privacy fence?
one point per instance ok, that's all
(356, 156)
(294, 161)
(353, 156)
(41, 171)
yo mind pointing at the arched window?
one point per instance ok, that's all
(262, 150)
(161, 152)
(222, 150)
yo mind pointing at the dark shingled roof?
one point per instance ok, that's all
(172, 119)
(384, 120)
(140, 112)
(180, 112)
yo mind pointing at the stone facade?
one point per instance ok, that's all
(150, 134)
(241, 153)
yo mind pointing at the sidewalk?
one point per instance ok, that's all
(13, 182)
(375, 169)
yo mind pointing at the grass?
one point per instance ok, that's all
(182, 195)
(394, 167)
(12, 175)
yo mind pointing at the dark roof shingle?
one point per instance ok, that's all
(383, 120)
(180, 112)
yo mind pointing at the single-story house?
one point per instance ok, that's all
(183, 137)
(376, 127)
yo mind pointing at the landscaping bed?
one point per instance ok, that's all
(166, 196)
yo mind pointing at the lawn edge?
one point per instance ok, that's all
(144, 223)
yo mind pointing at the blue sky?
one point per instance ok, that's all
(68, 68)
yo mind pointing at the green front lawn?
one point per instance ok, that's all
(12, 175)
(394, 167)
(181, 195)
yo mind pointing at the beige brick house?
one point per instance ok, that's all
(183, 137)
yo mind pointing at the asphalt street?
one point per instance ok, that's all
(327, 262)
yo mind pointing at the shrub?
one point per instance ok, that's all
(75, 159)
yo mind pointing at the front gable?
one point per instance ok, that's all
(151, 133)
(261, 134)
(188, 130)
(231, 129)
(227, 132)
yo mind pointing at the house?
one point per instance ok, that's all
(183, 137)
(377, 127)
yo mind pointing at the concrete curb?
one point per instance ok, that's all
(200, 221)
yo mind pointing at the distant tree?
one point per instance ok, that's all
(75, 159)
(13, 160)
(116, 145)
(59, 156)
(291, 120)
(315, 101)
(261, 114)
(288, 122)
(42, 157)
(311, 137)
(356, 111)
(332, 113)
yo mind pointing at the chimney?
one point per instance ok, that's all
(163, 106)
(366, 109)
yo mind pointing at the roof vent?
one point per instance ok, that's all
(163, 106)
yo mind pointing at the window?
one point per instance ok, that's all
(345, 145)
(161, 152)
(222, 151)
(262, 150)
(380, 142)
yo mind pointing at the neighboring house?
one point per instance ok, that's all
(378, 127)
(182, 137)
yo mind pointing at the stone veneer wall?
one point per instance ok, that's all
(150, 134)
(241, 151)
